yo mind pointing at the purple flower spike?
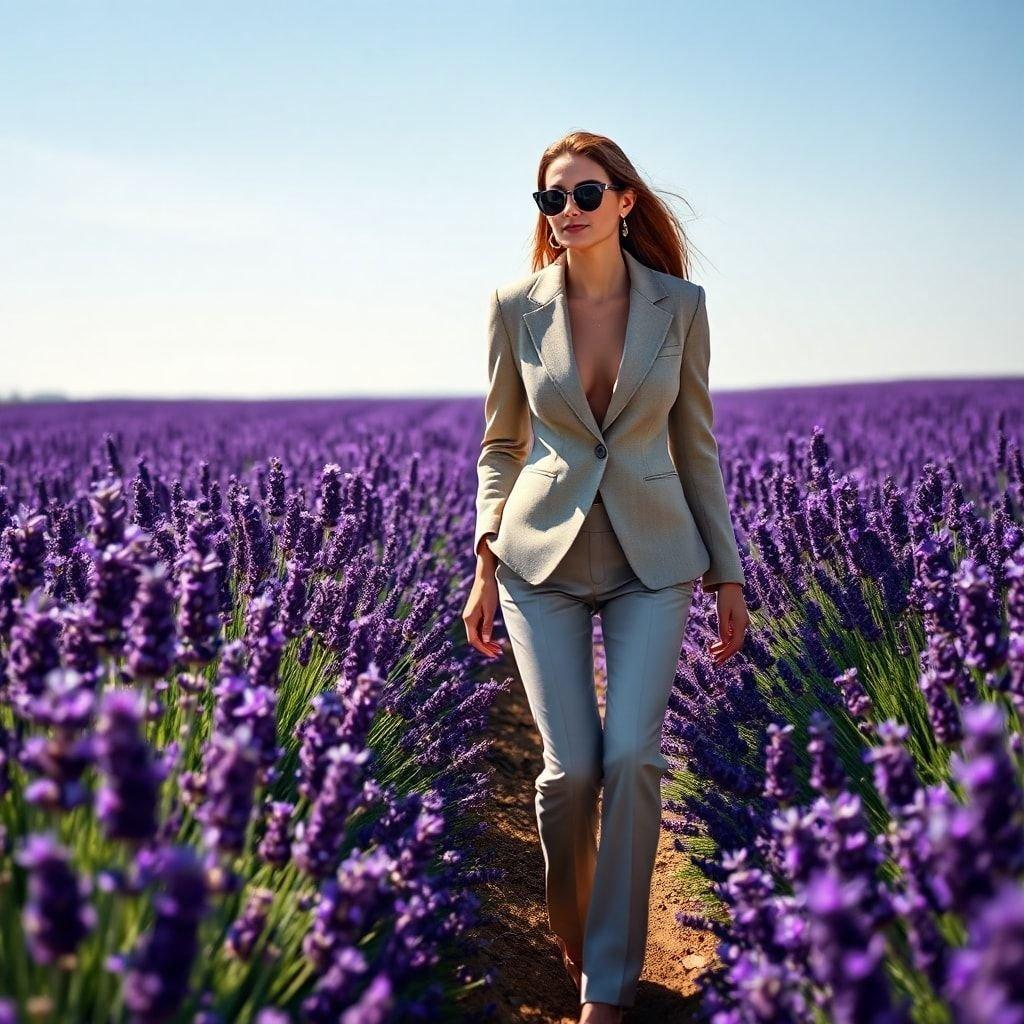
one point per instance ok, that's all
(67, 701)
(347, 903)
(276, 488)
(330, 495)
(981, 643)
(895, 776)
(827, 773)
(264, 639)
(982, 842)
(294, 598)
(317, 846)
(856, 698)
(108, 512)
(80, 642)
(231, 765)
(258, 710)
(374, 1006)
(112, 586)
(245, 932)
(943, 713)
(34, 649)
(25, 540)
(275, 847)
(780, 780)
(127, 802)
(150, 650)
(199, 623)
(156, 972)
(56, 917)
(60, 759)
(984, 981)
(846, 955)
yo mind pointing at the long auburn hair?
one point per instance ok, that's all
(656, 237)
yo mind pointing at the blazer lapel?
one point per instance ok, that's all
(550, 330)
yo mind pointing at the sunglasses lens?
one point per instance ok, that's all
(551, 202)
(588, 197)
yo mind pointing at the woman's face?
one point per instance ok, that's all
(574, 228)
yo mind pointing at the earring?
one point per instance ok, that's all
(552, 242)
(625, 228)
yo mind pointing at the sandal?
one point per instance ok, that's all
(574, 970)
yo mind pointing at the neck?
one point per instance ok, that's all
(596, 274)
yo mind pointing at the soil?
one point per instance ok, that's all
(531, 983)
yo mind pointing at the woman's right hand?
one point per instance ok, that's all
(478, 615)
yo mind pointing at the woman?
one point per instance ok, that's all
(599, 491)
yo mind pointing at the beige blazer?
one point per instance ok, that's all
(654, 457)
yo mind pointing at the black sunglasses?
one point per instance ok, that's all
(587, 197)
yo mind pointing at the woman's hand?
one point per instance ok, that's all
(478, 615)
(733, 620)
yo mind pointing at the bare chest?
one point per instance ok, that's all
(598, 340)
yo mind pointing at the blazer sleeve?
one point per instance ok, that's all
(695, 454)
(507, 431)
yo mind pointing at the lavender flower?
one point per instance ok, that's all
(374, 1005)
(856, 698)
(156, 972)
(34, 649)
(330, 490)
(981, 642)
(245, 932)
(347, 903)
(943, 713)
(113, 582)
(294, 598)
(984, 981)
(894, 773)
(317, 841)
(275, 847)
(780, 781)
(846, 955)
(25, 540)
(230, 770)
(127, 802)
(276, 493)
(199, 613)
(80, 642)
(989, 829)
(56, 916)
(264, 638)
(827, 773)
(150, 650)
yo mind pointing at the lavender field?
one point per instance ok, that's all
(243, 740)
(240, 739)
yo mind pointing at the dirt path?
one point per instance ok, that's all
(531, 982)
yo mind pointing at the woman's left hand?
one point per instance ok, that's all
(733, 620)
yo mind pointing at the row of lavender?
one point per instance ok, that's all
(241, 745)
(850, 788)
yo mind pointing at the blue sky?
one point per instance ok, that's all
(289, 199)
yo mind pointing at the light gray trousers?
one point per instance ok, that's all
(598, 898)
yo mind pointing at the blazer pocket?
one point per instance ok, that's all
(658, 476)
(669, 350)
(537, 469)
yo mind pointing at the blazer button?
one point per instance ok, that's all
(600, 451)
